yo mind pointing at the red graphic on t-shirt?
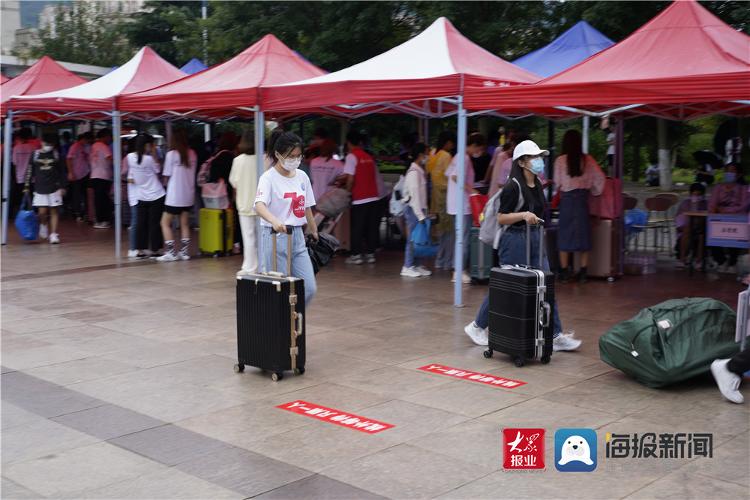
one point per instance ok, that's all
(298, 204)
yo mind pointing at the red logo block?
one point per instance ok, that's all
(523, 449)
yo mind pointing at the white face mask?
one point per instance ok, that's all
(291, 164)
(47, 148)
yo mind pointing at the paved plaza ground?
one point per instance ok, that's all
(117, 383)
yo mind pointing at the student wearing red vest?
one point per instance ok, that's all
(361, 180)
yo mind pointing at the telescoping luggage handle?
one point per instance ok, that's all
(295, 317)
(541, 243)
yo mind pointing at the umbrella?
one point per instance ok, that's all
(706, 157)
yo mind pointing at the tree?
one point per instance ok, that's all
(171, 28)
(85, 33)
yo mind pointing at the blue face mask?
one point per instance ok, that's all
(730, 177)
(537, 166)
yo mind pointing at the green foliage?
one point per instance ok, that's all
(86, 33)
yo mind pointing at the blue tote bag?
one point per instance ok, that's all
(420, 240)
(27, 222)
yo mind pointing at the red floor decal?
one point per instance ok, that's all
(482, 378)
(337, 417)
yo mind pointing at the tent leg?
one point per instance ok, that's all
(585, 145)
(7, 145)
(665, 165)
(168, 133)
(117, 161)
(206, 132)
(458, 264)
(259, 124)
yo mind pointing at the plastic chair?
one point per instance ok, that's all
(659, 220)
(629, 202)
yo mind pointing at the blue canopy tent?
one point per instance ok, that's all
(575, 45)
(572, 47)
(193, 66)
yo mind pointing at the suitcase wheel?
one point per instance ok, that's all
(239, 368)
(545, 359)
(299, 371)
(276, 376)
(519, 361)
(488, 353)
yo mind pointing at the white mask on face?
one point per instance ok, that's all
(290, 164)
(47, 148)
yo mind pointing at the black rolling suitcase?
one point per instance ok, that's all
(522, 299)
(270, 320)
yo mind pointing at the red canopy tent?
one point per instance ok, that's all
(439, 62)
(233, 84)
(97, 98)
(145, 70)
(45, 75)
(682, 64)
(425, 76)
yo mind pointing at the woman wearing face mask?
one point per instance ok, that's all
(285, 198)
(415, 191)
(729, 197)
(527, 165)
(143, 172)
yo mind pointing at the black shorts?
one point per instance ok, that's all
(176, 210)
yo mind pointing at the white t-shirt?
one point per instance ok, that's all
(145, 176)
(323, 172)
(286, 197)
(132, 188)
(101, 161)
(452, 185)
(181, 185)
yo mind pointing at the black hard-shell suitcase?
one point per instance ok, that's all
(522, 299)
(270, 320)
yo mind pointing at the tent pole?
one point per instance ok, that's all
(168, 132)
(458, 264)
(117, 160)
(206, 132)
(585, 145)
(665, 166)
(260, 129)
(7, 145)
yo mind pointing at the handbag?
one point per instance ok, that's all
(321, 252)
(215, 195)
(333, 202)
(27, 222)
(421, 241)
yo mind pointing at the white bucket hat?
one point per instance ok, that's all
(528, 148)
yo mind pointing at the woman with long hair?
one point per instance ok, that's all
(244, 179)
(577, 176)
(522, 203)
(180, 164)
(416, 212)
(285, 198)
(143, 171)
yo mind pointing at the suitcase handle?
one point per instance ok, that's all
(298, 318)
(541, 243)
(547, 313)
(289, 231)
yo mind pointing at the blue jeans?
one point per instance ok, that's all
(411, 222)
(301, 265)
(513, 251)
(131, 228)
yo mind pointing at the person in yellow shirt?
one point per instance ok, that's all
(436, 167)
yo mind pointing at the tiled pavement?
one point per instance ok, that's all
(117, 383)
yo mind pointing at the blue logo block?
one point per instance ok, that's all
(575, 450)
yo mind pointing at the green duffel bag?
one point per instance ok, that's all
(672, 341)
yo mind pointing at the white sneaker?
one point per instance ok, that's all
(355, 259)
(244, 272)
(370, 258)
(132, 254)
(423, 271)
(465, 278)
(54, 239)
(565, 342)
(728, 382)
(476, 334)
(183, 255)
(102, 225)
(43, 231)
(167, 257)
(410, 272)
